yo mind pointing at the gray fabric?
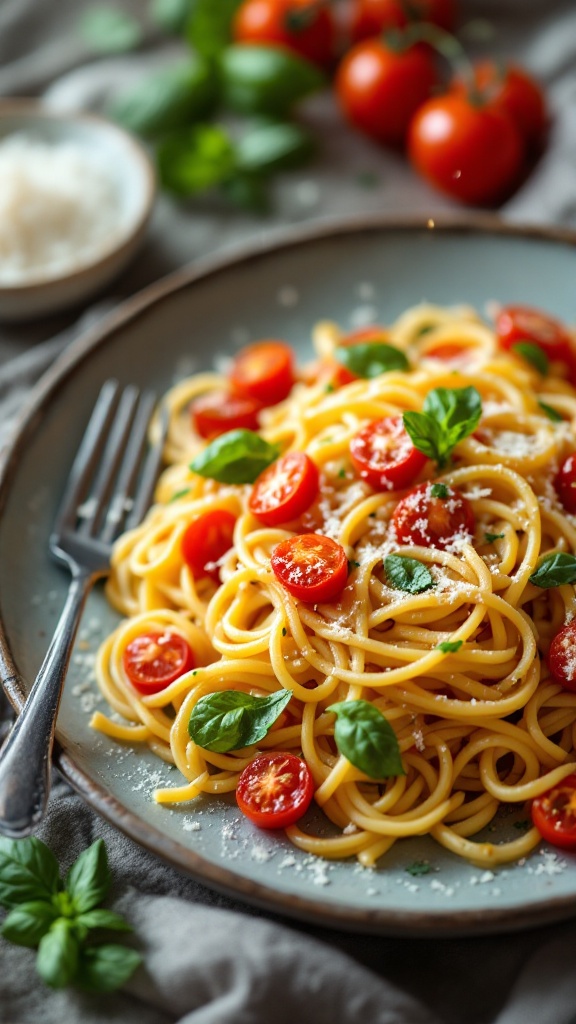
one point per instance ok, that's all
(208, 959)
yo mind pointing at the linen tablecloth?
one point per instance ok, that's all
(207, 959)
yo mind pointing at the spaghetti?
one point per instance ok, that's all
(456, 667)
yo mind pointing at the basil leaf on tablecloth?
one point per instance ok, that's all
(108, 30)
(27, 923)
(57, 960)
(28, 872)
(258, 79)
(89, 878)
(105, 968)
(168, 100)
(209, 25)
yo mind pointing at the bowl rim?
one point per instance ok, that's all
(25, 109)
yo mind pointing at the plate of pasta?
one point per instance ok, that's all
(333, 671)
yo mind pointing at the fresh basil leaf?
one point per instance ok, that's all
(491, 537)
(439, 491)
(260, 79)
(533, 354)
(89, 878)
(27, 923)
(237, 457)
(168, 100)
(192, 161)
(554, 570)
(99, 918)
(28, 872)
(372, 359)
(108, 30)
(365, 737)
(171, 15)
(273, 147)
(105, 968)
(209, 26)
(449, 415)
(404, 573)
(551, 413)
(449, 646)
(57, 960)
(418, 867)
(230, 719)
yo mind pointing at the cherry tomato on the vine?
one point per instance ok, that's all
(472, 152)
(264, 372)
(275, 789)
(154, 660)
(304, 26)
(562, 657)
(218, 412)
(312, 567)
(427, 520)
(370, 17)
(514, 92)
(380, 89)
(384, 455)
(554, 814)
(206, 539)
(285, 490)
(524, 324)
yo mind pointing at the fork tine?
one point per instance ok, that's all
(150, 473)
(121, 502)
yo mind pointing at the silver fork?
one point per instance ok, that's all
(108, 491)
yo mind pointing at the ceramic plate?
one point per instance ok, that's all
(355, 274)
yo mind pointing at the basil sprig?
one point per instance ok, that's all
(533, 354)
(371, 359)
(449, 415)
(554, 571)
(408, 574)
(237, 457)
(60, 918)
(365, 737)
(230, 719)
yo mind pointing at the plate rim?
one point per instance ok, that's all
(383, 921)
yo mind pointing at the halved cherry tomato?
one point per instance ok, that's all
(448, 352)
(384, 455)
(428, 521)
(565, 484)
(264, 372)
(275, 789)
(304, 26)
(523, 323)
(472, 152)
(554, 814)
(206, 539)
(513, 91)
(154, 660)
(312, 567)
(370, 17)
(562, 657)
(379, 89)
(285, 490)
(219, 412)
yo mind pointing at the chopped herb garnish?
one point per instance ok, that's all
(407, 574)
(523, 825)
(284, 631)
(439, 491)
(352, 564)
(418, 867)
(329, 389)
(491, 537)
(550, 412)
(180, 494)
(449, 646)
(533, 354)
(342, 474)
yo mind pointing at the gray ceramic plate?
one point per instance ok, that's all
(354, 273)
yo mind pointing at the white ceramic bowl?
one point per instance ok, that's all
(132, 177)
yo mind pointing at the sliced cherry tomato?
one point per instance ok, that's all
(154, 660)
(219, 412)
(275, 789)
(523, 323)
(384, 455)
(370, 17)
(426, 520)
(206, 539)
(285, 490)
(562, 657)
(472, 152)
(565, 484)
(312, 567)
(379, 89)
(554, 814)
(264, 372)
(304, 26)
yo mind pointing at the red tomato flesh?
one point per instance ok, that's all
(275, 789)
(206, 540)
(384, 455)
(422, 519)
(264, 372)
(562, 657)
(285, 490)
(304, 26)
(565, 484)
(554, 814)
(219, 412)
(312, 567)
(522, 323)
(154, 660)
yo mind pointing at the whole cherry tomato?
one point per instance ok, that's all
(433, 515)
(218, 412)
(554, 814)
(565, 484)
(304, 26)
(285, 490)
(206, 539)
(384, 455)
(562, 657)
(275, 789)
(370, 17)
(154, 660)
(380, 89)
(474, 153)
(312, 567)
(264, 372)
(514, 92)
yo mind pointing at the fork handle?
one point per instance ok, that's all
(25, 758)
